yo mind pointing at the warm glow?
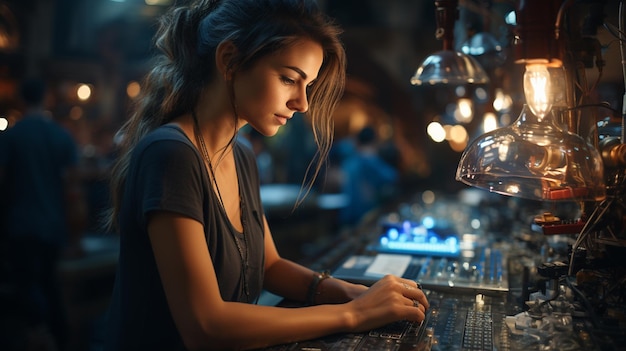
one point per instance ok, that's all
(464, 112)
(83, 92)
(4, 123)
(436, 132)
(4, 40)
(457, 137)
(502, 101)
(458, 134)
(458, 147)
(513, 189)
(490, 122)
(537, 88)
(132, 89)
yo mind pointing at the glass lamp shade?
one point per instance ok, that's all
(534, 158)
(449, 67)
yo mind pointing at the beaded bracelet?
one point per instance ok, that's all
(317, 279)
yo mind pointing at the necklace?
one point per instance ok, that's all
(244, 256)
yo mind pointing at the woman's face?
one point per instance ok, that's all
(268, 94)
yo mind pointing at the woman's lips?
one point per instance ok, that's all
(282, 119)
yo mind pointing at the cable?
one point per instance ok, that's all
(605, 204)
(621, 36)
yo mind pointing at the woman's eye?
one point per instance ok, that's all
(287, 80)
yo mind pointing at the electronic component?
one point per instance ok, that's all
(484, 272)
(453, 322)
(417, 239)
(548, 224)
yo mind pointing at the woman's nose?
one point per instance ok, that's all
(300, 102)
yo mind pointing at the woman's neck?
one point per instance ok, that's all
(216, 119)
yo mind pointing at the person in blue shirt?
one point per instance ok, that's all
(367, 180)
(41, 187)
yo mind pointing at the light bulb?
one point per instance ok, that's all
(537, 88)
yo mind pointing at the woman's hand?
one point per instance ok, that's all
(388, 300)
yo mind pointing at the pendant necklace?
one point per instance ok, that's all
(244, 256)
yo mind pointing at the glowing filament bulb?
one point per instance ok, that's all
(537, 89)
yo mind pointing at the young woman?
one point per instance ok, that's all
(196, 250)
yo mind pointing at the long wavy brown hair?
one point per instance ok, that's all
(186, 41)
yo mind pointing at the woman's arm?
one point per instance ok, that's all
(207, 322)
(292, 281)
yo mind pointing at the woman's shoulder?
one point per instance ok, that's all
(164, 133)
(163, 141)
(167, 132)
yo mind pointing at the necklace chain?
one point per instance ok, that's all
(242, 208)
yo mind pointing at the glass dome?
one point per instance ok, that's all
(449, 67)
(534, 158)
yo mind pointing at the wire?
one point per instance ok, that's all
(604, 104)
(622, 54)
(559, 17)
(588, 307)
(592, 221)
(616, 32)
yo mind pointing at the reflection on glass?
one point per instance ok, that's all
(534, 158)
(449, 67)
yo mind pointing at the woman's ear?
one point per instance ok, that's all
(224, 55)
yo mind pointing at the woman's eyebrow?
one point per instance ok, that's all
(298, 70)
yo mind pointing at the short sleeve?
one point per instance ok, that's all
(169, 178)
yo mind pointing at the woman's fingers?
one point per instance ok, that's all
(413, 291)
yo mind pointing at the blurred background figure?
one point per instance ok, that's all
(367, 180)
(41, 218)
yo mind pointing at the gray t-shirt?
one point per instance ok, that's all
(167, 173)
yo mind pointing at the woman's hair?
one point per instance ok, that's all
(185, 63)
